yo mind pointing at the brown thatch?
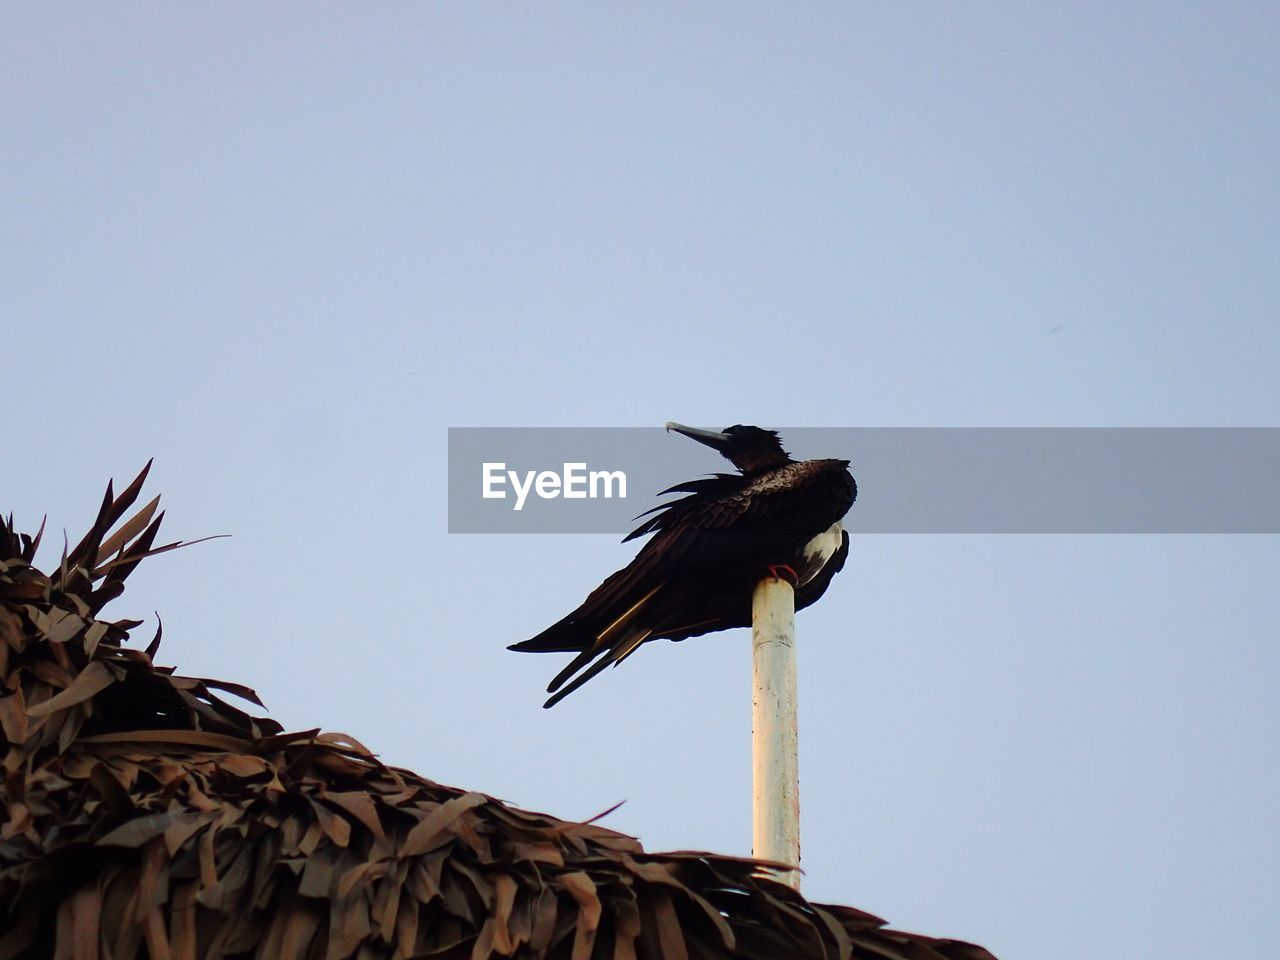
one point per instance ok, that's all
(144, 816)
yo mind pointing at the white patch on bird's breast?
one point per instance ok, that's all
(816, 553)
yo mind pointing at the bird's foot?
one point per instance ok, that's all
(781, 571)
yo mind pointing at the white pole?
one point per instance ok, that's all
(775, 767)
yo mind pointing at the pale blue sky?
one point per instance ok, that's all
(282, 248)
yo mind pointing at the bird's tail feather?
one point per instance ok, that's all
(601, 642)
(611, 656)
(574, 634)
(566, 636)
(616, 641)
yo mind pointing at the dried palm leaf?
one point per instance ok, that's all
(145, 816)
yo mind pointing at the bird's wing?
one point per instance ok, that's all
(623, 595)
(736, 612)
(693, 535)
(824, 489)
(701, 491)
(719, 522)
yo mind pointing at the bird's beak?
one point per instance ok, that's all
(712, 438)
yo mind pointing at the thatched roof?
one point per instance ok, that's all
(147, 817)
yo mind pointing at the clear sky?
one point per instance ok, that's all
(281, 248)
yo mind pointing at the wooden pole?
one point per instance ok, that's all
(775, 766)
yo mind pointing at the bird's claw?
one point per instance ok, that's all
(781, 571)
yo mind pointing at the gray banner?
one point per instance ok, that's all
(910, 480)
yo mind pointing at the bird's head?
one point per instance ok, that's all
(750, 449)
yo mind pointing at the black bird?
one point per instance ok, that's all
(709, 550)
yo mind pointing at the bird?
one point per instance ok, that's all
(695, 575)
